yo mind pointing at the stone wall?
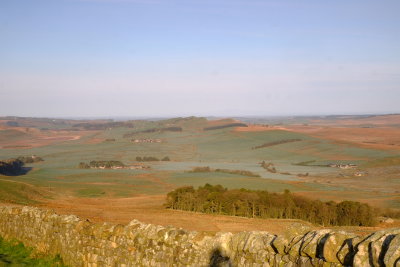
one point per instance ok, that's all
(82, 243)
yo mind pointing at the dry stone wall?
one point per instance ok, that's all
(82, 243)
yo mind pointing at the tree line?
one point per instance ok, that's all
(30, 159)
(151, 158)
(268, 166)
(263, 204)
(277, 143)
(107, 164)
(115, 164)
(155, 130)
(236, 124)
(238, 172)
(102, 125)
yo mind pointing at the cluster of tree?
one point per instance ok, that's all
(391, 213)
(236, 124)
(110, 140)
(102, 126)
(106, 164)
(269, 166)
(201, 169)
(262, 204)
(303, 174)
(171, 129)
(12, 123)
(276, 143)
(333, 165)
(150, 158)
(309, 163)
(154, 130)
(30, 159)
(239, 172)
(11, 167)
(36, 122)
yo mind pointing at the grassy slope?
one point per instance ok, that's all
(16, 254)
(14, 192)
(383, 162)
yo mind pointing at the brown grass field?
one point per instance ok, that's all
(378, 138)
(36, 138)
(149, 209)
(378, 120)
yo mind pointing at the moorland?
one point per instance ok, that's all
(116, 171)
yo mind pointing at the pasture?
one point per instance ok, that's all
(59, 177)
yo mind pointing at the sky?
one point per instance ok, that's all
(165, 58)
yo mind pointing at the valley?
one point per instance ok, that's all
(302, 152)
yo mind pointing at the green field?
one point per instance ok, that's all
(189, 148)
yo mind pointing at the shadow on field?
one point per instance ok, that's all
(20, 171)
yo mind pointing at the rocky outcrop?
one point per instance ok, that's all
(82, 243)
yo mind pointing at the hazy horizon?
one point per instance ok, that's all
(210, 117)
(122, 58)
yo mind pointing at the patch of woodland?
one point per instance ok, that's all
(237, 124)
(30, 159)
(263, 204)
(151, 158)
(13, 167)
(154, 130)
(239, 172)
(284, 141)
(12, 123)
(102, 126)
(104, 164)
(269, 166)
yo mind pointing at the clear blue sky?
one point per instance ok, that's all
(199, 57)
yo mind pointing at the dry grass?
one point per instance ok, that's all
(385, 138)
(149, 209)
(375, 120)
(254, 128)
(31, 137)
(377, 138)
